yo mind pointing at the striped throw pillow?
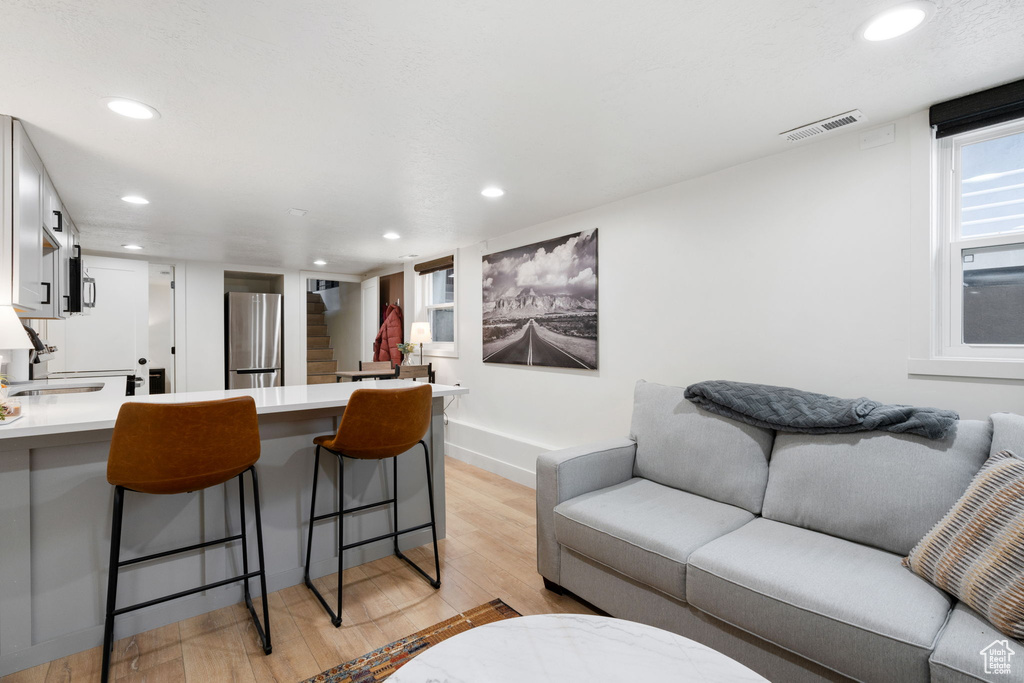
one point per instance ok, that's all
(976, 552)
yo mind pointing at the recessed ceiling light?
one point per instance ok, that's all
(134, 199)
(131, 108)
(410, 256)
(133, 247)
(391, 235)
(298, 212)
(319, 262)
(896, 21)
(492, 192)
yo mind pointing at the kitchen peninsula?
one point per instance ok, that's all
(55, 507)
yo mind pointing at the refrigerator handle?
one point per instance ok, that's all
(255, 371)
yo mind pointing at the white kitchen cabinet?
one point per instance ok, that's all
(27, 258)
(38, 237)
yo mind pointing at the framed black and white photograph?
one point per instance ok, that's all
(540, 303)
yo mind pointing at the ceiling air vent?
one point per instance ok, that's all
(823, 126)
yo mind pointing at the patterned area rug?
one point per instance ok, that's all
(376, 666)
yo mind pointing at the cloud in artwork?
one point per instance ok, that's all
(561, 266)
(548, 269)
(585, 278)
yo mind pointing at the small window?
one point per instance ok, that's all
(440, 296)
(436, 304)
(980, 227)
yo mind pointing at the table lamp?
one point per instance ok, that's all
(420, 334)
(12, 331)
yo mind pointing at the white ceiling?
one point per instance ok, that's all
(379, 116)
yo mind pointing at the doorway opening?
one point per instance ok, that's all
(161, 329)
(332, 329)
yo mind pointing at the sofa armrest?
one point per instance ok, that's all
(571, 472)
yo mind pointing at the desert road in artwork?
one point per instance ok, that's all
(530, 349)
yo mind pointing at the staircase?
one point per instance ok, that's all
(320, 363)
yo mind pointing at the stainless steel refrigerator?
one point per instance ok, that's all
(253, 339)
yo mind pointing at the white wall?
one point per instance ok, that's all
(794, 269)
(201, 288)
(344, 323)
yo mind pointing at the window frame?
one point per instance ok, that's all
(950, 245)
(423, 308)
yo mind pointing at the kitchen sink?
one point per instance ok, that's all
(49, 391)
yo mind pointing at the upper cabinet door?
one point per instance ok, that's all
(28, 223)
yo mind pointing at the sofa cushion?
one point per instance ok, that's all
(1007, 433)
(884, 490)
(644, 530)
(682, 446)
(976, 552)
(971, 649)
(851, 608)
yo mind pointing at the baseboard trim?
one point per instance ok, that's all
(519, 475)
(503, 454)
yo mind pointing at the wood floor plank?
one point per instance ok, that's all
(429, 611)
(525, 504)
(456, 526)
(461, 592)
(83, 667)
(145, 651)
(172, 671)
(329, 645)
(291, 661)
(212, 648)
(282, 626)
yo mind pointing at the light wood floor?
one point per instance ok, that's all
(490, 553)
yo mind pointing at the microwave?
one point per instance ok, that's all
(81, 297)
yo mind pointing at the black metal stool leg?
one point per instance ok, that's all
(313, 518)
(434, 581)
(312, 512)
(115, 559)
(265, 633)
(245, 547)
(341, 534)
(433, 524)
(394, 494)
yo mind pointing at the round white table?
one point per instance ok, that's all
(570, 647)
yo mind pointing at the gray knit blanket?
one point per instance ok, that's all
(792, 410)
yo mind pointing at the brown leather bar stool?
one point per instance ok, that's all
(177, 448)
(376, 424)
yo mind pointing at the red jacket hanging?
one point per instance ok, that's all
(385, 346)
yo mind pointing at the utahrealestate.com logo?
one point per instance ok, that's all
(997, 657)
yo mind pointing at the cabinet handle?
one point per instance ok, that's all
(46, 301)
(92, 302)
(60, 221)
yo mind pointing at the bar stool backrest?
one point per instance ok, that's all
(383, 423)
(180, 447)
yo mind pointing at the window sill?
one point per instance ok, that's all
(967, 367)
(450, 352)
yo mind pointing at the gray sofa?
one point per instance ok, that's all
(780, 550)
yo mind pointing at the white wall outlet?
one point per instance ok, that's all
(878, 136)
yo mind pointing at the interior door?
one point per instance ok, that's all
(371, 324)
(115, 336)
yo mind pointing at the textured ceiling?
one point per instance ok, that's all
(379, 116)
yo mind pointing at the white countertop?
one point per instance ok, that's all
(69, 413)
